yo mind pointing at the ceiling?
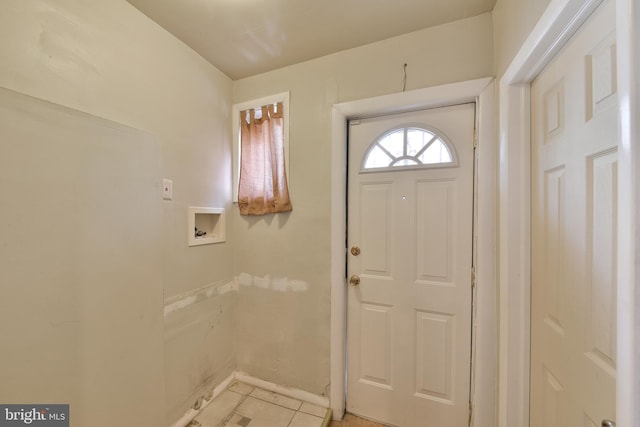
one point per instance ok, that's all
(247, 37)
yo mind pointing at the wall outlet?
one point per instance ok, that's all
(167, 189)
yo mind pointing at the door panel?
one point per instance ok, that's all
(409, 319)
(574, 227)
(434, 230)
(434, 370)
(375, 337)
(602, 210)
(375, 220)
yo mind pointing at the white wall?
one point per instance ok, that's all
(513, 20)
(283, 337)
(107, 59)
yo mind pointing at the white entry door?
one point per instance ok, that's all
(574, 227)
(410, 221)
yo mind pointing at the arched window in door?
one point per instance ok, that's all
(409, 147)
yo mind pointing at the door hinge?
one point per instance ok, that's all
(470, 412)
(475, 138)
(473, 277)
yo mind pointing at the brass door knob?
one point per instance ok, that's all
(354, 280)
(355, 250)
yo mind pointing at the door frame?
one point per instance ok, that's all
(484, 348)
(559, 22)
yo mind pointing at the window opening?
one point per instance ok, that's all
(256, 104)
(263, 185)
(409, 147)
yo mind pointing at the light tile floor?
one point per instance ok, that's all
(242, 405)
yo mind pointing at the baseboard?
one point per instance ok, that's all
(295, 393)
(192, 413)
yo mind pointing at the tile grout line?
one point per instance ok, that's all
(295, 411)
(226, 419)
(276, 404)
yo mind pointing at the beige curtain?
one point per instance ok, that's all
(263, 180)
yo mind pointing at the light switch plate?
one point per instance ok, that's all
(167, 189)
